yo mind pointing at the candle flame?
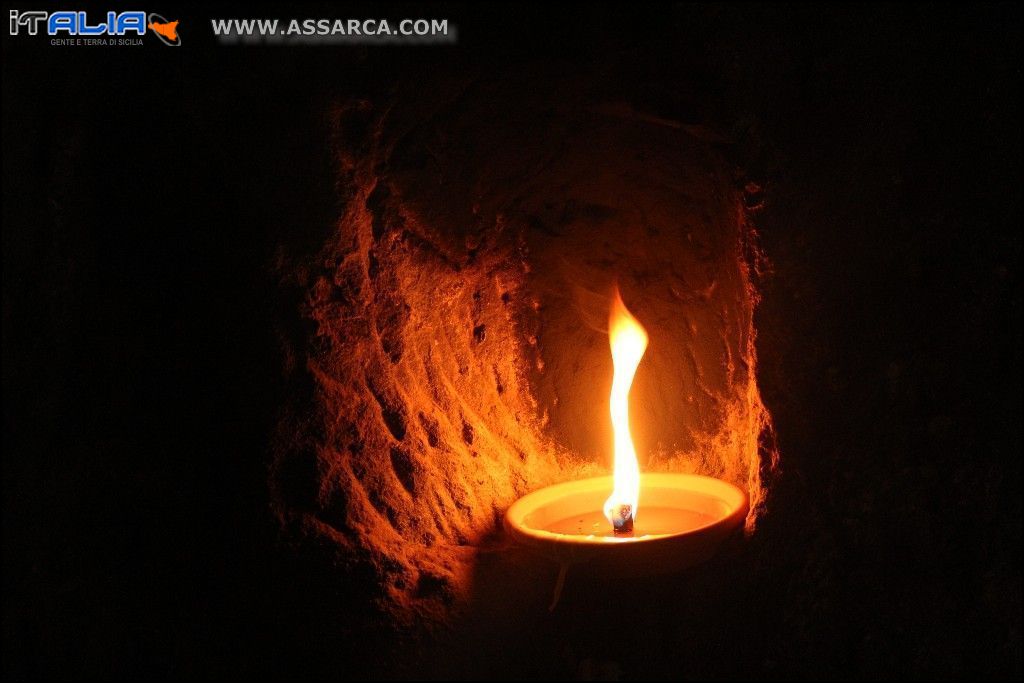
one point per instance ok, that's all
(628, 341)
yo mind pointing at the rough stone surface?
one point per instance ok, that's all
(457, 357)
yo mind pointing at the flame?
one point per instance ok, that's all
(628, 340)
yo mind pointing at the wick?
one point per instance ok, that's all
(622, 520)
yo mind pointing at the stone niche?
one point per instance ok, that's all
(457, 353)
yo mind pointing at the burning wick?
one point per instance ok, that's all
(622, 519)
(628, 341)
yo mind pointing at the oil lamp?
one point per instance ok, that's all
(650, 523)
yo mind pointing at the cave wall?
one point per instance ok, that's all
(457, 351)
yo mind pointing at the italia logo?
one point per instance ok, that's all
(80, 25)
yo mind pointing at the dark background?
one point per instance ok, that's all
(146, 191)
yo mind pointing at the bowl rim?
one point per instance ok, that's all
(516, 514)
